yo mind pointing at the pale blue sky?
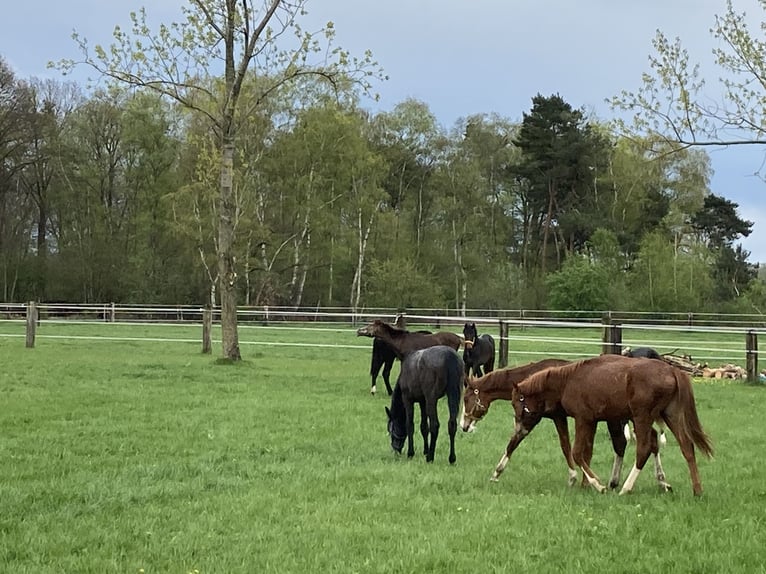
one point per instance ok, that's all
(462, 57)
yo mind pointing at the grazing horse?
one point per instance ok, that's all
(609, 388)
(479, 351)
(384, 356)
(646, 352)
(498, 385)
(426, 376)
(404, 342)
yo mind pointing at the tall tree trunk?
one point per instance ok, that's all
(226, 271)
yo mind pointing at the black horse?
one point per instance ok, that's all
(478, 351)
(646, 352)
(426, 376)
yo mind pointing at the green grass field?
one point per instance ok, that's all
(146, 456)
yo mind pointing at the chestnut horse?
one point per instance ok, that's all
(404, 342)
(614, 388)
(498, 385)
(426, 376)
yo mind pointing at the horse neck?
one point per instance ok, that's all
(495, 385)
(393, 339)
(397, 404)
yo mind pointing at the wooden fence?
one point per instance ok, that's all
(612, 330)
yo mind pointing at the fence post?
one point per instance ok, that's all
(31, 324)
(503, 359)
(612, 336)
(751, 346)
(112, 314)
(207, 328)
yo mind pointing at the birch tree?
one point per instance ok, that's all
(241, 38)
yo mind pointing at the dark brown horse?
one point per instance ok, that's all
(404, 342)
(479, 351)
(614, 388)
(383, 356)
(498, 385)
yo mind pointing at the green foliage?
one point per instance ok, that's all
(399, 284)
(579, 285)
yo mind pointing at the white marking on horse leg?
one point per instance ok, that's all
(572, 476)
(630, 481)
(373, 389)
(660, 474)
(500, 468)
(663, 440)
(626, 431)
(594, 482)
(616, 471)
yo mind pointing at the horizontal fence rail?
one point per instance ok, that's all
(734, 337)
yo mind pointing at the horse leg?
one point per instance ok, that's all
(387, 366)
(376, 363)
(433, 422)
(566, 448)
(642, 427)
(658, 472)
(619, 442)
(424, 427)
(408, 410)
(453, 404)
(519, 433)
(585, 431)
(687, 449)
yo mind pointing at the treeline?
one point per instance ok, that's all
(111, 195)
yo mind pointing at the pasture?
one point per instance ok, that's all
(123, 454)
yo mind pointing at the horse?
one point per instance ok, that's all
(426, 376)
(384, 356)
(478, 351)
(609, 388)
(498, 385)
(404, 342)
(646, 352)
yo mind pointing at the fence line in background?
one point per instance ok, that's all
(611, 340)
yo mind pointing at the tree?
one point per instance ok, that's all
(177, 62)
(672, 104)
(718, 226)
(579, 285)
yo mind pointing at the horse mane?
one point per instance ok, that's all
(393, 332)
(537, 382)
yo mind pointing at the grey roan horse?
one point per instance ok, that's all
(426, 376)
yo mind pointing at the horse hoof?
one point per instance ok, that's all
(452, 460)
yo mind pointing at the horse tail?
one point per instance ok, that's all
(456, 381)
(687, 419)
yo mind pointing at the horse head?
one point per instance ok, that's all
(528, 408)
(473, 409)
(469, 335)
(396, 431)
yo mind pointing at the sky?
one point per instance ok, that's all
(463, 57)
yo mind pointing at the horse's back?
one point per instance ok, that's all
(430, 370)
